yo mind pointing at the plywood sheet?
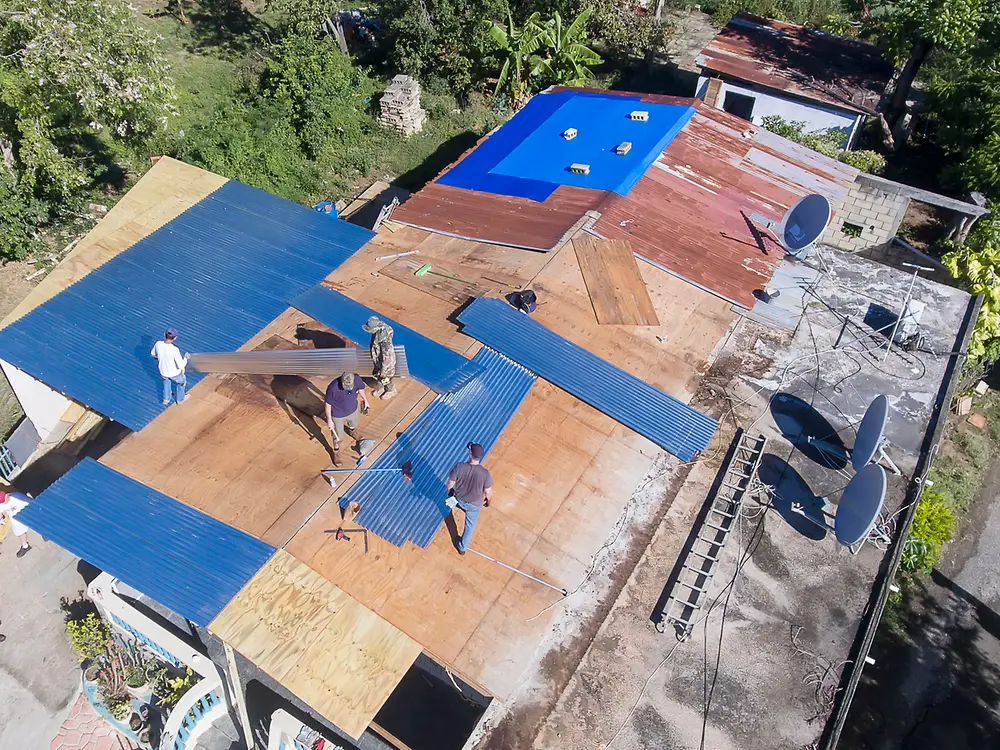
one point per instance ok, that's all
(616, 288)
(165, 191)
(338, 656)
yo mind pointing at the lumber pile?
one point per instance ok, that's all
(400, 106)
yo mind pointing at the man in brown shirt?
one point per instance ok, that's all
(470, 487)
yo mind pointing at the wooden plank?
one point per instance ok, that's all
(615, 286)
(335, 654)
(712, 92)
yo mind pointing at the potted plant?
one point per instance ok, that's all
(169, 689)
(137, 681)
(89, 636)
(135, 722)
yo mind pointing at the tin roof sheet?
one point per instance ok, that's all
(671, 424)
(398, 510)
(683, 214)
(219, 273)
(185, 560)
(812, 64)
(433, 364)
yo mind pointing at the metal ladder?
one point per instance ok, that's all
(694, 578)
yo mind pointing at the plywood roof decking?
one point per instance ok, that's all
(336, 655)
(165, 191)
(845, 73)
(553, 509)
(683, 214)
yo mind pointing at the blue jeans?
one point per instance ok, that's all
(180, 380)
(471, 516)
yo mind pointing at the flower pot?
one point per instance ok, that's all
(139, 692)
(91, 672)
(135, 723)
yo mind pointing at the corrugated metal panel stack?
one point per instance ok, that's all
(433, 364)
(219, 273)
(398, 510)
(671, 424)
(185, 560)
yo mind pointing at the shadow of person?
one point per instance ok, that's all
(304, 403)
(789, 487)
(798, 421)
(452, 525)
(320, 339)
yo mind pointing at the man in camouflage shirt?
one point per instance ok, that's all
(383, 355)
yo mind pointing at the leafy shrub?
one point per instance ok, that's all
(628, 33)
(976, 448)
(977, 263)
(829, 142)
(89, 636)
(933, 526)
(813, 13)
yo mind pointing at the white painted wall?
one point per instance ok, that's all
(42, 405)
(815, 116)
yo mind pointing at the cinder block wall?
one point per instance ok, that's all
(877, 213)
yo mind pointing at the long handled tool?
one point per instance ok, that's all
(426, 269)
(564, 592)
(407, 472)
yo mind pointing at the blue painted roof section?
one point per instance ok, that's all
(400, 511)
(477, 170)
(219, 273)
(433, 364)
(184, 559)
(601, 127)
(671, 424)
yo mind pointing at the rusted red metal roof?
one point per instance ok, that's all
(683, 215)
(808, 63)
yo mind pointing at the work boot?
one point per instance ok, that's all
(379, 390)
(390, 392)
(336, 456)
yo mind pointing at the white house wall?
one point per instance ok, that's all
(42, 405)
(816, 117)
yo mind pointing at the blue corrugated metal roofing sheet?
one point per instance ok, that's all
(433, 364)
(219, 273)
(669, 423)
(179, 556)
(398, 510)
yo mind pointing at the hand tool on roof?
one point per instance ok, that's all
(344, 535)
(564, 592)
(407, 472)
(426, 269)
(397, 255)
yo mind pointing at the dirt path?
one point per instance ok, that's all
(14, 286)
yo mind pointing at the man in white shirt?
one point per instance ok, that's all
(172, 365)
(12, 503)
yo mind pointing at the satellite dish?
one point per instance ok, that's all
(870, 433)
(860, 505)
(804, 223)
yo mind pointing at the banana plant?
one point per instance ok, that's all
(516, 47)
(566, 59)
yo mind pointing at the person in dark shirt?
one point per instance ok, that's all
(470, 487)
(342, 397)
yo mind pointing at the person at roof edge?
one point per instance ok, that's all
(171, 365)
(12, 503)
(470, 488)
(383, 355)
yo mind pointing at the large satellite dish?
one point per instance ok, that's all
(804, 223)
(870, 433)
(860, 505)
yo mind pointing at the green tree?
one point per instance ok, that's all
(565, 58)
(70, 71)
(516, 48)
(627, 33)
(977, 263)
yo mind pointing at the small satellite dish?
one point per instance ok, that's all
(860, 505)
(870, 433)
(804, 223)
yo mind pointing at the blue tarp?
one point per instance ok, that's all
(219, 273)
(671, 424)
(400, 511)
(527, 156)
(182, 558)
(433, 364)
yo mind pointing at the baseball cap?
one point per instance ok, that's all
(371, 325)
(171, 333)
(476, 451)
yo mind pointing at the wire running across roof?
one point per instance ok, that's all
(219, 273)
(184, 559)
(671, 424)
(398, 510)
(433, 364)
